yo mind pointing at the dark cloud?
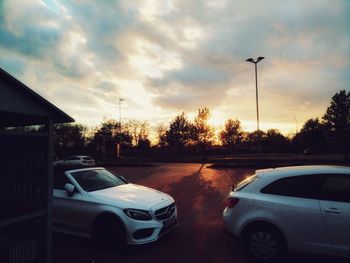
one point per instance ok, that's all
(29, 31)
(101, 22)
(35, 42)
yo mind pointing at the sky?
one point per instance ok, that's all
(166, 57)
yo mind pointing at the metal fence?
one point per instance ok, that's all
(23, 197)
(23, 242)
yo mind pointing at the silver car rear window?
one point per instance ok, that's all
(245, 182)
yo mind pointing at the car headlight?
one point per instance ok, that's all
(138, 214)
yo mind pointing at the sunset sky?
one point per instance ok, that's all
(165, 57)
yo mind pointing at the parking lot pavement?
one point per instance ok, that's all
(200, 193)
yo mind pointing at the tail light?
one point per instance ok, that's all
(231, 202)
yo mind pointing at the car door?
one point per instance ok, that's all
(296, 210)
(70, 160)
(335, 208)
(66, 209)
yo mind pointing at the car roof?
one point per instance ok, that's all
(85, 169)
(303, 170)
(80, 156)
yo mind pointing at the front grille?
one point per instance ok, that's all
(165, 212)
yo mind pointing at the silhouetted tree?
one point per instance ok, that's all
(275, 140)
(179, 132)
(312, 136)
(144, 144)
(202, 133)
(337, 121)
(252, 139)
(69, 139)
(103, 138)
(232, 134)
(107, 135)
(161, 134)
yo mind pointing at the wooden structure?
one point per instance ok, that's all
(26, 164)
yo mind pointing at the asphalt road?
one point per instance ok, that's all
(200, 194)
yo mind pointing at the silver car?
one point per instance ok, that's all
(82, 160)
(301, 209)
(93, 202)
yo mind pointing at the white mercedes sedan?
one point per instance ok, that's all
(300, 209)
(93, 202)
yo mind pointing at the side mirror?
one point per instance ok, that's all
(69, 189)
(122, 177)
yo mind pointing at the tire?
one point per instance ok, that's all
(265, 243)
(109, 234)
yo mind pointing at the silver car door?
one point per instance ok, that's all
(335, 207)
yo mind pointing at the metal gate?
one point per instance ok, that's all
(23, 197)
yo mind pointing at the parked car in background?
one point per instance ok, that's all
(82, 160)
(93, 202)
(300, 209)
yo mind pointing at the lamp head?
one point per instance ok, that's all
(250, 60)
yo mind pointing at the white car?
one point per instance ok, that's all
(93, 202)
(300, 209)
(82, 160)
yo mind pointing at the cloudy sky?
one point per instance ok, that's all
(165, 57)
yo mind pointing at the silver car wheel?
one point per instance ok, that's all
(263, 245)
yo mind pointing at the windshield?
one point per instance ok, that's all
(93, 180)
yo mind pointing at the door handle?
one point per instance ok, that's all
(332, 210)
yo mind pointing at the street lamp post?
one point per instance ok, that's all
(120, 113)
(120, 126)
(257, 99)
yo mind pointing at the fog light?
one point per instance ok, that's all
(143, 233)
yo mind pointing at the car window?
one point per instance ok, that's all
(87, 158)
(245, 182)
(71, 159)
(335, 187)
(59, 180)
(93, 180)
(305, 186)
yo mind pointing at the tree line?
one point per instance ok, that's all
(182, 136)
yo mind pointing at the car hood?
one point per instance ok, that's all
(131, 196)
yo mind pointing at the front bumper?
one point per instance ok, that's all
(142, 232)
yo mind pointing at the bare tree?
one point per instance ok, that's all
(161, 135)
(139, 130)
